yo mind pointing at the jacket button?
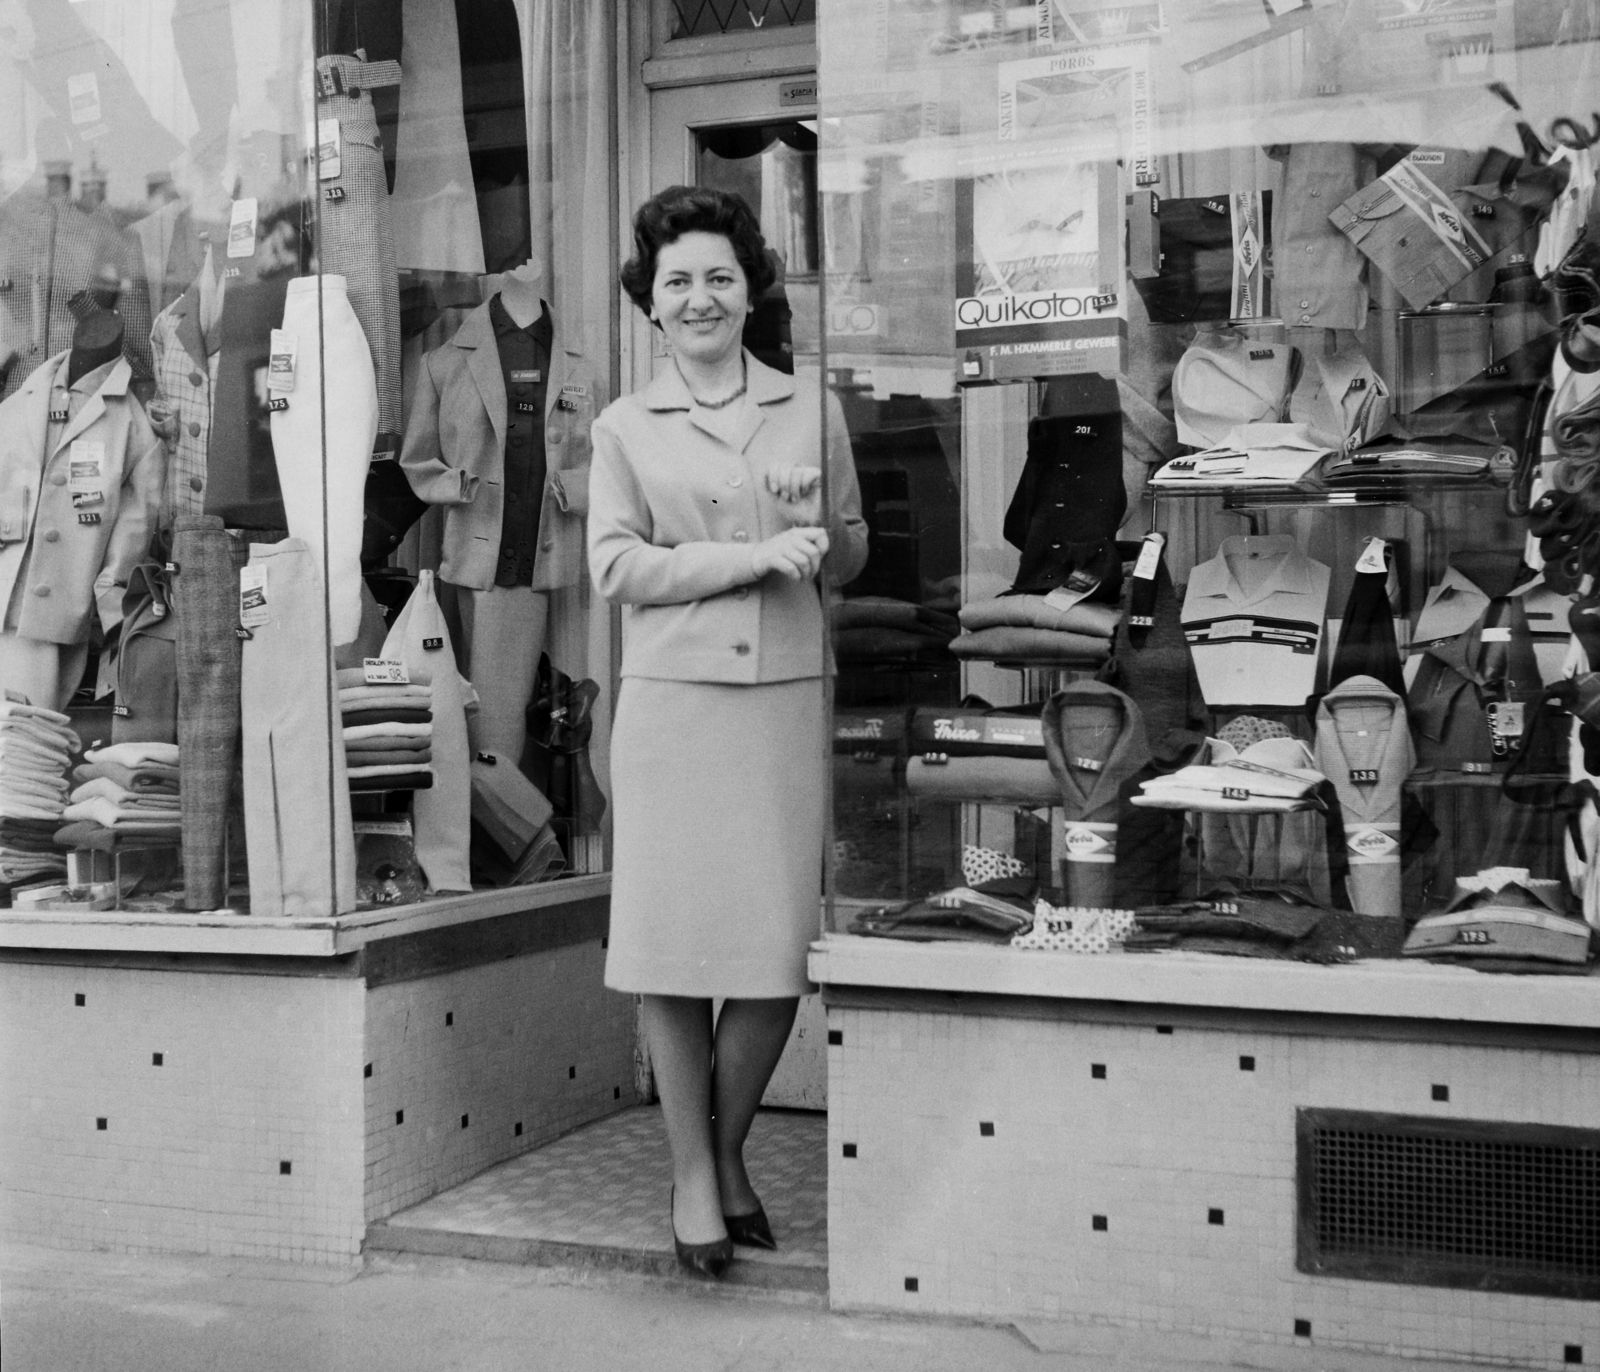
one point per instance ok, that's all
(52, 536)
(196, 484)
(59, 479)
(547, 545)
(736, 481)
(41, 591)
(740, 536)
(195, 378)
(741, 648)
(553, 435)
(1305, 304)
(1305, 319)
(194, 430)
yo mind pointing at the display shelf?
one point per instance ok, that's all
(1383, 491)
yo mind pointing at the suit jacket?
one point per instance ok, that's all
(73, 568)
(678, 501)
(455, 446)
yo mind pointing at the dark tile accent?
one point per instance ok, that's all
(849, 1150)
(449, 1018)
(1573, 1352)
(1440, 1091)
(1247, 1063)
(463, 1121)
(80, 999)
(1097, 1070)
(399, 1116)
(157, 1059)
(518, 1130)
(1302, 1329)
(835, 1038)
(1099, 1222)
(367, 1070)
(911, 1283)
(1163, 1028)
(572, 1073)
(100, 1123)
(616, 1093)
(986, 1128)
(285, 1167)
(1213, 1216)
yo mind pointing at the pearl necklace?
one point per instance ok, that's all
(726, 400)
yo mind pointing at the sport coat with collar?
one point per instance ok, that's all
(678, 502)
(186, 378)
(455, 448)
(74, 568)
(1254, 638)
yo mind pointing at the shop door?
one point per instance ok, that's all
(758, 138)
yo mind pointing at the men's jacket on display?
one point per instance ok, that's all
(186, 376)
(76, 518)
(454, 455)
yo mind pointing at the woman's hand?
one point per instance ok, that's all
(794, 483)
(795, 553)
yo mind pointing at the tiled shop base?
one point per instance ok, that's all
(604, 1188)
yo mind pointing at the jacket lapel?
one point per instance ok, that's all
(476, 338)
(560, 374)
(115, 385)
(36, 427)
(186, 319)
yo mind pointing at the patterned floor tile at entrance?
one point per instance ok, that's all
(605, 1187)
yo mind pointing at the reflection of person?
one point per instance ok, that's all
(706, 523)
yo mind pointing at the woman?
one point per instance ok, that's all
(705, 523)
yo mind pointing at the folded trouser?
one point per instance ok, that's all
(1022, 780)
(296, 801)
(322, 442)
(206, 591)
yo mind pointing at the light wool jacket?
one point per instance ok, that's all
(677, 503)
(72, 566)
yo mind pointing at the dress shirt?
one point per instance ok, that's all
(525, 367)
(1318, 277)
(1253, 617)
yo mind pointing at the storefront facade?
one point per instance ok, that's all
(1219, 389)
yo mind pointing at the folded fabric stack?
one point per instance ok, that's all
(1060, 626)
(35, 748)
(1276, 774)
(876, 628)
(388, 733)
(127, 792)
(1250, 455)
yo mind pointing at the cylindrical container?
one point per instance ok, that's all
(1441, 349)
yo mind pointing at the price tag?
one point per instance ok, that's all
(60, 416)
(1496, 633)
(432, 645)
(253, 610)
(526, 377)
(91, 518)
(527, 407)
(1372, 557)
(327, 149)
(87, 500)
(1235, 793)
(1149, 556)
(242, 228)
(85, 460)
(83, 98)
(1089, 764)
(1364, 776)
(384, 671)
(1231, 628)
(285, 350)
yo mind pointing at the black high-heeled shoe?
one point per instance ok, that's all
(752, 1230)
(703, 1259)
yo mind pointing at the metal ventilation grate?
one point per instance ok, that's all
(698, 17)
(1429, 1202)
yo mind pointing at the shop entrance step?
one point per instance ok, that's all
(596, 1199)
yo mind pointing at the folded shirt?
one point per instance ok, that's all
(147, 778)
(27, 809)
(39, 722)
(21, 749)
(1009, 642)
(1249, 454)
(357, 732)
(1276, 774)
(102, 811)
(885, 612)
(43, 791)
(390, 698)
(1007, 780)
(126, 799)
(55, 742)
(136, 754)
(393, 715)
(88, 834)
(388, 769)
(1041, 612)
(386, 757)
(394, 781)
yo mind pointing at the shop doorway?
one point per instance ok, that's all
(758, 138)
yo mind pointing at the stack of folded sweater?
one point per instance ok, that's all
(876, 628)
(388, 733)
(35, 747)
(128, 791)
(1060, 626)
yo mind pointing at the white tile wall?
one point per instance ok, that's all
(1002, 1226)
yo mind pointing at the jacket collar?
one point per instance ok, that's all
(185, 311)
(766, 385)
(1128, 754)
(1361, 690)
(1288, 570)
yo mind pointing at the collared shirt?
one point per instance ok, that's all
(1253, 617)
(525, 365)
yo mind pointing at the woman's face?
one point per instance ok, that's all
(700, 297)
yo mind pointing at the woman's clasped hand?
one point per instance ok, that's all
(794, 553)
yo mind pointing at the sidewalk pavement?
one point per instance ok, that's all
(101, 1312)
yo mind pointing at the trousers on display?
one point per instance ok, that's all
(503, 632)
(47, 673)
(331, 354)
(441, 817)
(296, 793)
(206, 599)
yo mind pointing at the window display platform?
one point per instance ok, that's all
(227, 1085)
(1131, 1139)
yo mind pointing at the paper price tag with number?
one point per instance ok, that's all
(284, 350)
(385, 671)
(327, 149)
(242, 228)
(85, 465)
(1149, 556)
(253, 611)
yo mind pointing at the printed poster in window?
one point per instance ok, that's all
(1075, 23)
(1069, 92)
(1039, 273)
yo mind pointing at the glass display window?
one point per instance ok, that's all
(1218, 379)
(304, 318)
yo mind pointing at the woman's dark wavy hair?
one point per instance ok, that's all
(667, 216)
